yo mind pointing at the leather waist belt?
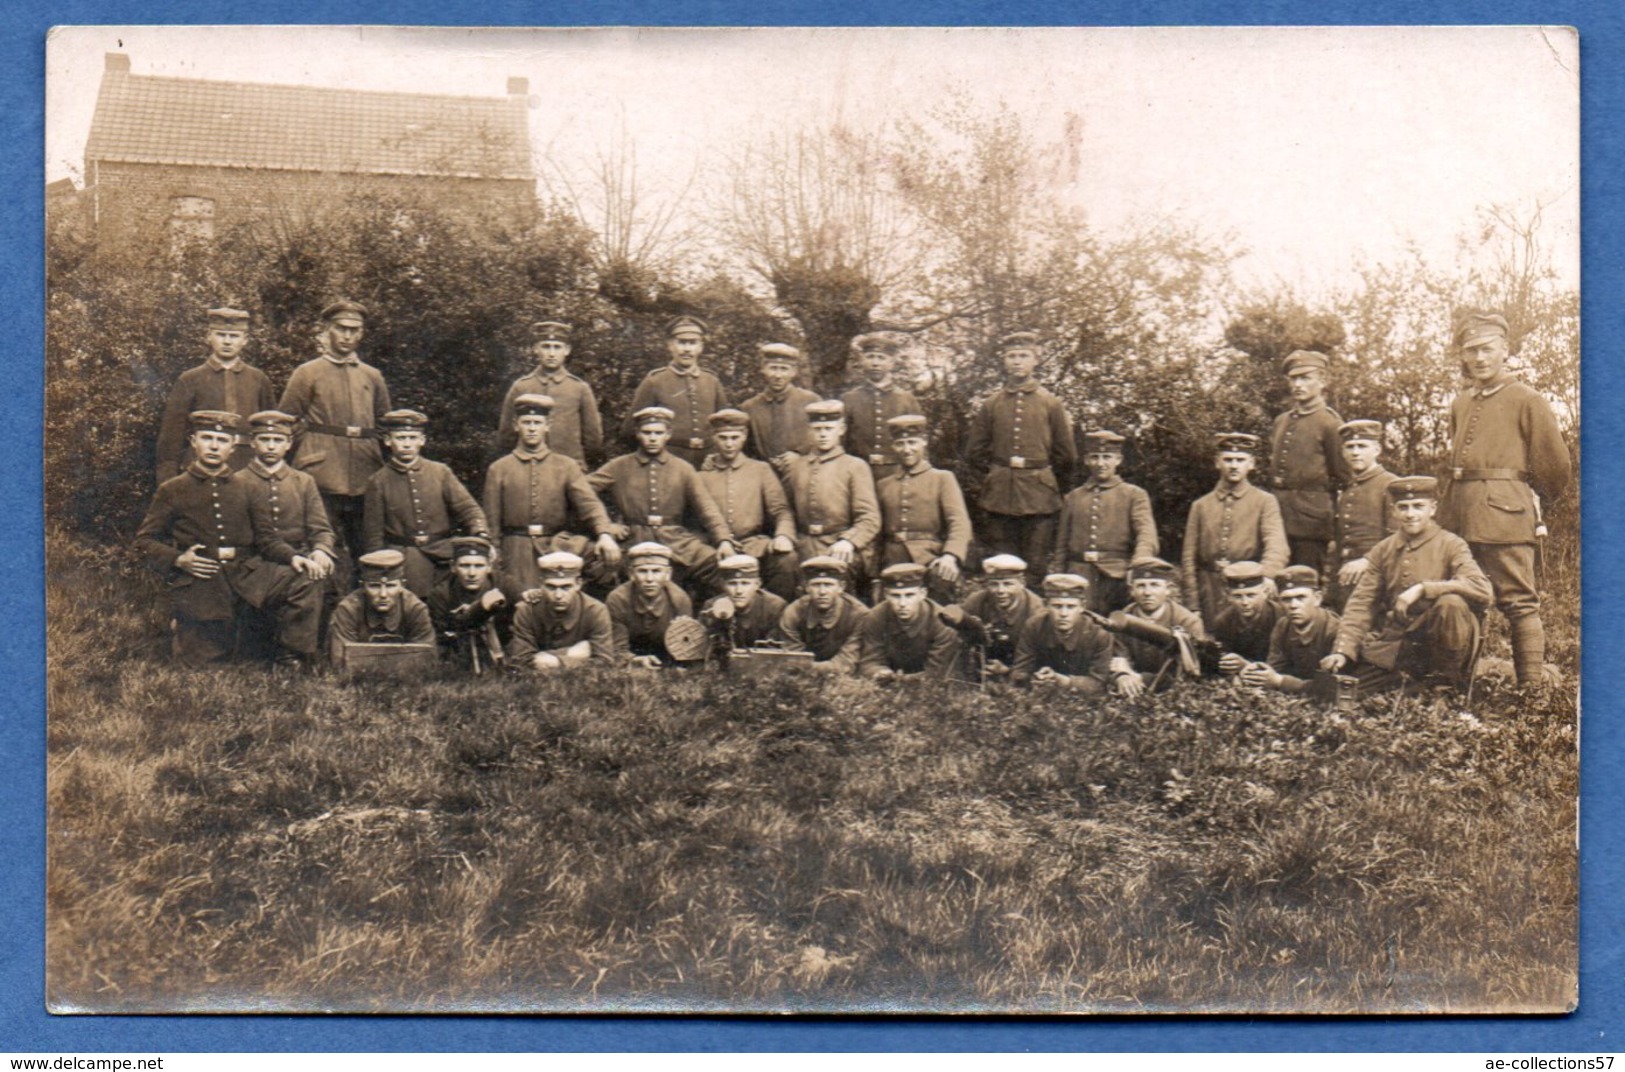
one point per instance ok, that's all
(422, 539)
(220, 554)
(534, 531)
(1023, 463)
(345, 431)
(1286, 485)
(1488, 474)
(905, 536)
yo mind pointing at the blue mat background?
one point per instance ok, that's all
(24, 1024)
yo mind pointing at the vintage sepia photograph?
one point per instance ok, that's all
(828, 521)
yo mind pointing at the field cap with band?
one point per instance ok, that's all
(903, 575)
(1476, 327)
(1152, 569)
(231, 319)
(1368, 431)
(907, 426)
(1235, 443)
(680, 326)
(724, 419)
(403, 420)
(1413, 487)
(1297, 577)
(740, 566)
(1103, 442)
(778, 352)
(826, 411)
(552, 331)
(653, 415)
(649, 550)
(533, 405)
(1244, 575)
(1004, 566)
(875, 343)
(1300, 360)
(272, 421)
(344, 311)
(214, 420)
(387, 564)
(471, 547)
(824, 566)
(1065, 584)
(1019, 340)
(560, 565)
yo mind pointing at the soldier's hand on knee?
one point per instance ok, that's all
(842, 551)
(783, 545)
(946, 567)
(1350, 574)
(195, 564)
(323, 563)
(609, 550)
(1406, 599)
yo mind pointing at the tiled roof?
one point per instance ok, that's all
(237, 124)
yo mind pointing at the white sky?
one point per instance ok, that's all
(1313, 147)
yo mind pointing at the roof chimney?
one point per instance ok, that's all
(518, 87)
(118, 61)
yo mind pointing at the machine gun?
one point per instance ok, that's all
(472, 633)
(1193, 656)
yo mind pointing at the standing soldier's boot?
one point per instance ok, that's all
(1529, 649)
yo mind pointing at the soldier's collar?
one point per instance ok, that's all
(417, 463)
(1433, 529)
(1025, 387)
(828, 456)
(198, 470)
(349, 359)
(889, 384)
(1225, 490)
(267, 473)
(1486, 392)
(645, 458)
(549, 377)
(234, 365)
(715, 463)
(390, 622)
(1361, 478)
(770, 395)
(692, 370)
(1112, 482)
(651, 605)
(531, 455)
(1301, 411)
(924, 466)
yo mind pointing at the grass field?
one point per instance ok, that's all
(231, 840)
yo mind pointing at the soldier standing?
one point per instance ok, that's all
(561, 626)
(1364, 516)
(778, 413)
(416, 505)
(1413, 611)
(1505, 450)
(575, 428)
(873, 402)
(224, 383)
(825, 620)
(752, 501)
(660, 500)
(537, 500)
(832, 495)
(1023, 436)
(690, 392)
(1105, 524)
(338, 400)
(1235, 522)
(1306, 460)
(923, 517)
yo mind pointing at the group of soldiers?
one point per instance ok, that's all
(818, 528)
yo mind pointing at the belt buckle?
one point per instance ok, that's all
(696, 444)
(1278, 481)
(1017, 462)
(353, 431)
(656, 520)
(815, 530)
(225, 554)
(1455, 474)
(420, 540)
(1091, 556)
(877, 459)
(536, 530)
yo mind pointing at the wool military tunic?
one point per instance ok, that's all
(574, 428)
(537, 629)
(1365, 516)
(1306, 467)
(1247, 637)
(418, 508)
(1231, 523)
(1024, 436)
(238, 388)
(355, 621)
(868, 408)
(288, 512)
(923, 646)
(1003, 626)
(199, 507)
(660, 497)
(1295, 653)
(537, 502)
(1504, 442)
(833, 496)
(778, 423)
(1439, 561)
(747, 628)
(923, 515)
(339, 402)
(1085, 654)
(692, 394)
(751, 499)
(638, 624)
(1105, 525)
(457, 612)
(831, 636)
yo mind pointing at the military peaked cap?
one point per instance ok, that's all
(687, 325)
(1066, 584)
(1370, 430)
(908, 426)
(344, 307)
(384, 565)
(1235, 443)
(1297, 577)
(728, 418)
(903, 575)
(824, 566)
(552, 331)
(404, 420)
(1102, 441)
(1475, 327)
(236, 319)
(471, 546)
(1414, 487)
(1020, 340)
(213, 420)
(653, 415)
(778, 351)
(273, 420)
(533, 405)
(1304, 359)
(1152, 569)
(1244, 575)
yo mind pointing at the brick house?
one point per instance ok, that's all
(178, 159)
